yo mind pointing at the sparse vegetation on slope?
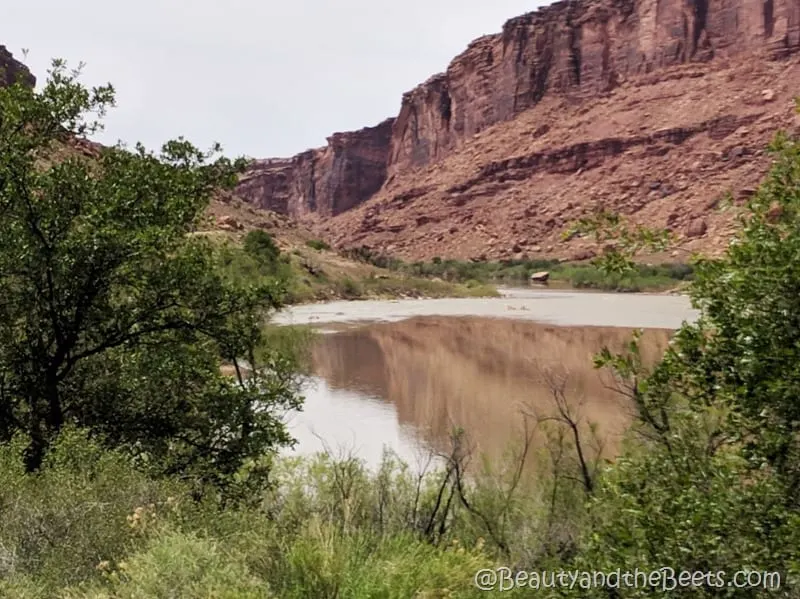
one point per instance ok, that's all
(312, 270)
(315, 275)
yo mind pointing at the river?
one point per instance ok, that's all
(404, 374)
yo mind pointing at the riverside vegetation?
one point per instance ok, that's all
(319, 274)
(131, 467)
(578, 275)
(307, 278)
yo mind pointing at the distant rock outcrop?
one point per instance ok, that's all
(11, 70)
(326, 181)
(583, 47)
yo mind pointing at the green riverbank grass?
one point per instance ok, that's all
(577, 275)
(314, 273)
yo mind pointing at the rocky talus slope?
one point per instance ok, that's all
(653, 108)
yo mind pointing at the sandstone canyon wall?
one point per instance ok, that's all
(325, 181)
(11, 70)
(579, 49)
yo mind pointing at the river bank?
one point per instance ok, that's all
(565, 308)
(312, 273)
(575, 274)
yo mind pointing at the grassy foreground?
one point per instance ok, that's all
(92, 526)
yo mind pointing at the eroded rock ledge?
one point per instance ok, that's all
(11, 70)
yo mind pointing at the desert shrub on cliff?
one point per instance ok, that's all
(318, 244)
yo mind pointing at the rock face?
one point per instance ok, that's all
(325, 181)
(583, 48)
(540, 277)
(11, 70)
(664, 149)
(529, 127)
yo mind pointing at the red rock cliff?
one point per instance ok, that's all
(581, 48)
(11, 70)
(574, 51)
(325, 181)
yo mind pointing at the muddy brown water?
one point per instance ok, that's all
(404, 381)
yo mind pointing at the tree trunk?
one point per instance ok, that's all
(34, 453)
(55, 415)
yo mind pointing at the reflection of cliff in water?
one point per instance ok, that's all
(478, 374)
(353, 360)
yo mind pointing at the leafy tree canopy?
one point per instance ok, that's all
(712, 480)
(113, 317)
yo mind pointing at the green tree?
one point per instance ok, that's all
(260, 245)
(113, 317)
(711, 482)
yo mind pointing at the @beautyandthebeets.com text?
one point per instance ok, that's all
(662, 579)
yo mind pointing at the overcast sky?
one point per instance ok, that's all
(264, 78)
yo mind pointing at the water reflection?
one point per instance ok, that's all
(353, 422)
(408, 384)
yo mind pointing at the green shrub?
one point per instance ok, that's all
(21, 587)
(260, 245)
(60, 524)
(183, 565)
(318, 244)
(349, 289)
(369, 256)
(518, 272)
(91, 525)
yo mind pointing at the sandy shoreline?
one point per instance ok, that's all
(565, 308)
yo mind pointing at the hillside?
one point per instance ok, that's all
(313, 271)
(653, 109)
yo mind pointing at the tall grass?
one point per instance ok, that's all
(92, 525)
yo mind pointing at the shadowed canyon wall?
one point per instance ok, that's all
(11, 70)
(326, 181)
(580, 49)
